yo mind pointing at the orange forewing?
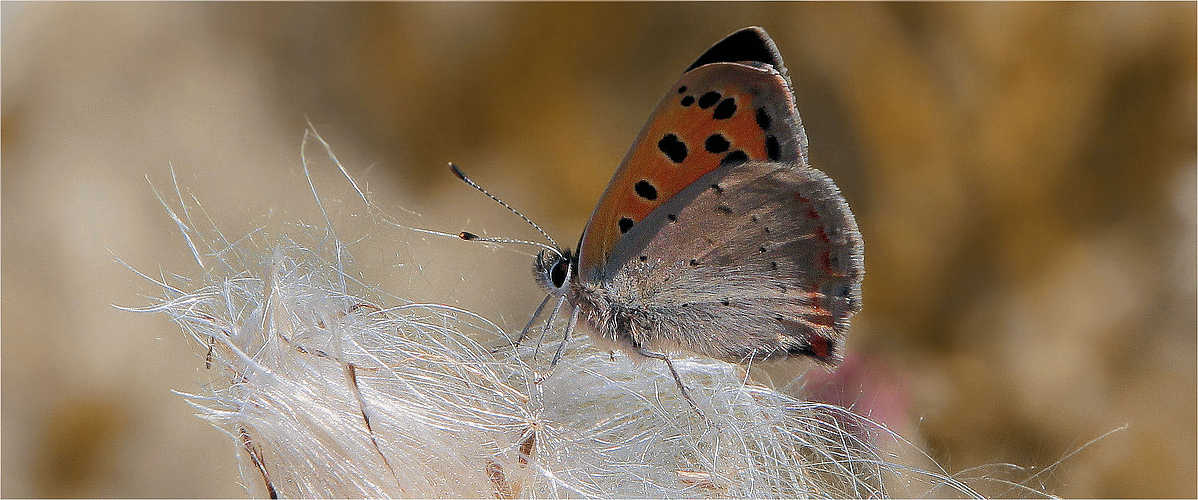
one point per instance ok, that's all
(714, 111)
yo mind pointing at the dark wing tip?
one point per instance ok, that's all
(748, 44)
(824, 350)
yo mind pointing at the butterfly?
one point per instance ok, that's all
(714, 236)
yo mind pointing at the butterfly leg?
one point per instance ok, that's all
(524, 333)
(566, 338)
(548, 324)
(677, 379)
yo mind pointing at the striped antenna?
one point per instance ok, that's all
(473, 237)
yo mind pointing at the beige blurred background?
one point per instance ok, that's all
(1023, 175)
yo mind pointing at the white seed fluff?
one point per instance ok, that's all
(326, 391)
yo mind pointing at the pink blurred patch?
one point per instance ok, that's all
(869, 386)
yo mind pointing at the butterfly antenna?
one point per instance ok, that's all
(461, 175)
(468, 236)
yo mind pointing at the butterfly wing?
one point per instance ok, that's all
(733, 104)
(757, 260)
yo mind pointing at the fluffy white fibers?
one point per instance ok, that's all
(328, 391)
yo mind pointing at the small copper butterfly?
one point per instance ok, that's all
(714, 237)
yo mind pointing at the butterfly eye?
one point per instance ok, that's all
(559, 272)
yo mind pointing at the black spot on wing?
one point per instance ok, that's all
(682, 89)
(646, 190)
(800, 350)
(716, 144)
(708, 99)
(673, 147)
(625, 225)
(763, 119)
(687, 101)
(734, 157)
(725, 110)
(772, 148)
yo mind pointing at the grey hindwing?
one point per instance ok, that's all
(757, 260)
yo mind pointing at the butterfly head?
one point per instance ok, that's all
(554, 269)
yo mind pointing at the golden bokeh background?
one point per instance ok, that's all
(1023, 174)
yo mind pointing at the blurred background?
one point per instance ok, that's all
(1023, 175)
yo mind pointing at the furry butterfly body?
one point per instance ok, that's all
(714, 237)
